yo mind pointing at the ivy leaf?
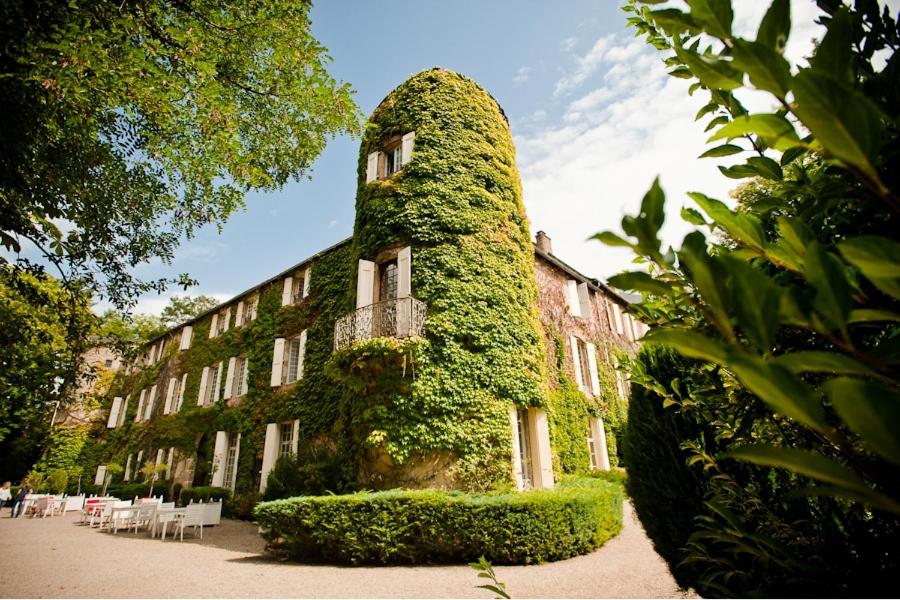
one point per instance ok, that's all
(778, 388)
(871, 410)
(723, 150)
(776, 131)
(775, 26)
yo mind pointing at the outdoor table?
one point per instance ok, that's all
(116, 511)
(164, 516)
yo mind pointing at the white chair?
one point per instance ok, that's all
(212, 513)
(143, 516)
(42, 506)
(110, 513)
(192, 517)
(73, 503)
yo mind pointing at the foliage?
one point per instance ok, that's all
(41, 340)
(138, 123)
(417, 526)
(241, 506)
(57, 479)
(458, 204)
(181, 309)
(311, 473)
(486, 571)
(203, 494)
(796, 304)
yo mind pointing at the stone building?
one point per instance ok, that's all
(439, 346)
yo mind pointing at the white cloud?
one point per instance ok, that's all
(522, 75)
(586, 169)
(568, 44)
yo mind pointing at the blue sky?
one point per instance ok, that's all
(593, 116)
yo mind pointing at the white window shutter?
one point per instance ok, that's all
(306, 277)
(365, 283)
(213, 325)
(302, 353)
(592, 367)
(277, 362)
(151, 400)
(407, 143)
(572, 298)
(601, 452)
(372, 167)
(127, 476)
(170, 395)
(123, 411)
(286, 291)
(204, 379)
(270, 454)
(237, 453)
(404, 273)
(242, 384)
(218, 389)
(169, 462)
(140, 457)
(576, 362)
(140, 407)
(181, 392)
(221, 447)
(227, 318)
(516, 448)
(186, 334)
(114, 409)
(584, 300)
(239, 317)
(542, 456)
(617, 311)
(295, 437)
(229, 378)
(101, 475)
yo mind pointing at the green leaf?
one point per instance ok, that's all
(692, 216)
(642, 282)
(812, 361)
(745, 228)
(653, 207)
(754, 317)
(871, 410)
(723, 150)
(766, 167)
(776, 131)
(803, 462)
(878, 259)
(845, 122)
(795, 234)
(705, 110)
(833, 299)
(778, 388)
(766, 67)
(738, 171)
(688, 343)
(714, 15)
(673, 21)
(791, 155)
(707, 278)
(775, 26)
(834, 54)
(872, 315)
(720, 120)
(712, 71)
(611, 239)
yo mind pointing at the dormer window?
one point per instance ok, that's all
(393, 155)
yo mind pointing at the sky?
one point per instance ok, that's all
(594, 118)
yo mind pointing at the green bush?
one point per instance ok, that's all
(436, 526)
(127, 491)
(204, 494)
(310, 474)
(241, 505)
(614, 475)
(57, 480)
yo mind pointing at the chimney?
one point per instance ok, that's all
(543, 242)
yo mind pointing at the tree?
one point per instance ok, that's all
(125, 127)
(184, 308)
(794, 303)
(113, 470)
(152, 472)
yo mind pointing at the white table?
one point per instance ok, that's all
(121, 512)
(164, 516)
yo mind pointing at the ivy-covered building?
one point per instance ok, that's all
(439, 346)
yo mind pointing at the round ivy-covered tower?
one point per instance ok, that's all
(441, 233)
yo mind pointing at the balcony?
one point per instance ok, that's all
(398, 318)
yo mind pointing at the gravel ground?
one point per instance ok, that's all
(56, 557)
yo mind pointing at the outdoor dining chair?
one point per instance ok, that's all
(191, 517)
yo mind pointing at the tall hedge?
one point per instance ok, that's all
(435, 526)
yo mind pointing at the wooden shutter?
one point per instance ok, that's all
(186, 334)
(295, 436)
(101, 475)
(365, 283)
(407, 143)
(372, 167)
(239, 317)
(140, 407)
(592, 367)
(516, 448)
(270, 454)
(169, 462)
(404, 273)
(127, 475)
(218, 469)
(123, 411)
(237, 455)
(617, 311)
(277, 362)
(181, 391)
(227, 319)
(286, 290)
(301, 354)
(114, 409)
(151, 400)
(601, 453)
(170, 395)
(572, 298)
(213, 325)
(576, 362)
(229, 378)
(584, 300)
(204, 379)
(306, 276)
(542, 455)
(140, 457)
(218, 382)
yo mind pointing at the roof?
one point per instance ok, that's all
(592, 282)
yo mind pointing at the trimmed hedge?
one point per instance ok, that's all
(203, 493)
(436, 526)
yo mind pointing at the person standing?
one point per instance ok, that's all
(19, 500)
(6, 494)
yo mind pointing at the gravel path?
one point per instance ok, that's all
(56, 557)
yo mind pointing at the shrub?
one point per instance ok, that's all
(436, 526)
(126, 491)
(204, 494)
(312, 473)
(241, 505)
(57, 480)
(614, 475)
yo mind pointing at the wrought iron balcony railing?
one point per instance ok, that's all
(397, 318)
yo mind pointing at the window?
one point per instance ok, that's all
(592, 445)
(241, 381)
(387, 283)
(286, 440)
(583, 362)
(524, 435)
(393, 155)
(231, 460)
(297, 289)
(107, 363)
(221, 323)
(250, 306)
(293, 360)
(212, 386)
(596, 440)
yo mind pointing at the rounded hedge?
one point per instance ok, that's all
(436, 526)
